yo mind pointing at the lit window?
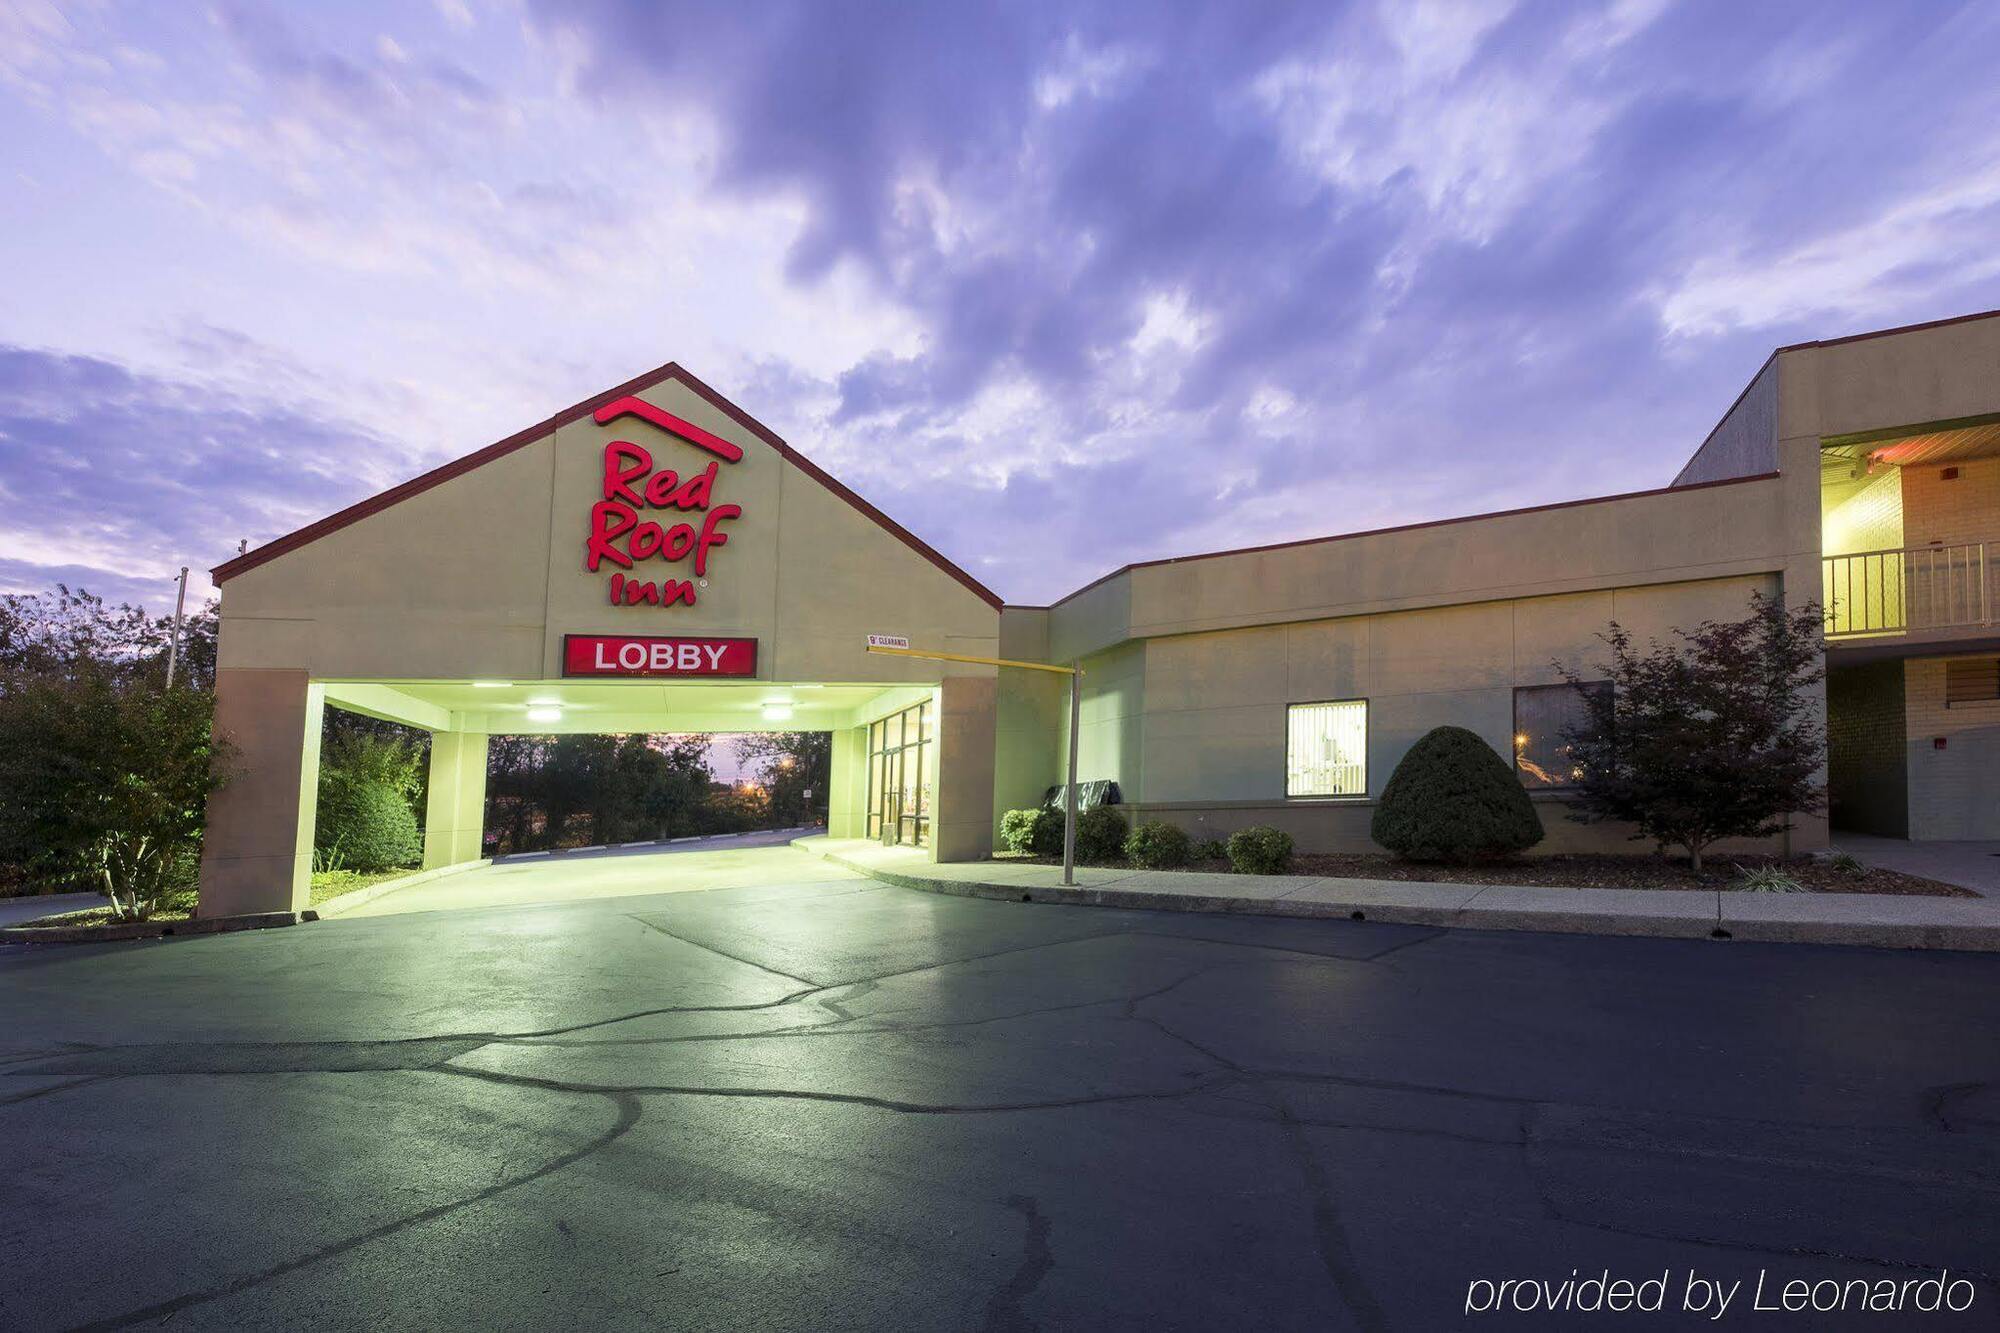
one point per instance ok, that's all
(1541, 714)
(1326, 749)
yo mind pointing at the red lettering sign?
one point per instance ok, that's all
(633, 487)
(624, 655)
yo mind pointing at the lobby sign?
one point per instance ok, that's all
(690, 523)
(657, 655)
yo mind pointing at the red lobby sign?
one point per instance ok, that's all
(632, 486)
(625, 655)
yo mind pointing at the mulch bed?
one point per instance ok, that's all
(1605, 872)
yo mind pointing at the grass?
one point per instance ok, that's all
(174, 907)
(332, 883)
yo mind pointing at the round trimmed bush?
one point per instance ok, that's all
(367, 826)
(1037, 832)
(1100, 834)
(1453, 798)
(1157, 845)
(1260, 850)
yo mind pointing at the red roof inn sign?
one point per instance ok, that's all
(690, 526)
(647, 655)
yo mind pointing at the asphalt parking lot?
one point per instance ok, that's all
(826, 1103)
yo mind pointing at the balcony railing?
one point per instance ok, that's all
(1917, 588)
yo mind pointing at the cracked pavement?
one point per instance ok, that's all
(832, 1104)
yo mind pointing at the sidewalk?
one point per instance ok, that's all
(1881, 920)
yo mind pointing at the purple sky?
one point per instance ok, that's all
(1059, 286)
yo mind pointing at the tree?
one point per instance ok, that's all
(557, 791)
(1452, 798)
(106, 784)
(64, 632)
(1712, 736)
(366, 818)
(796, 768)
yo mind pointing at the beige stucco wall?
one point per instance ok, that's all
(1193, 726)
(481, 576)
(1031, 714)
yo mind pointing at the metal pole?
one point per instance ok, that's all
(174, 644)
(1069, 788)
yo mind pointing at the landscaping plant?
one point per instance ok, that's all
(1037, 832)
(1157, 845)
(1100, 835)
(1453, 798)
(365, 817)
(106, 781)
(1767, 879)
(1260, 851)
(1712, 736)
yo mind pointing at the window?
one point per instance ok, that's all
(1326, 749)
(1971, 680)
(902, 754)
(1541, 714)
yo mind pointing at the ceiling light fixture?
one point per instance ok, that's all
(545, 715)
(491, 684)
(777, 712)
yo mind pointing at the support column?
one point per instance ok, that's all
(455, 814)
(962, 820)
(256, 853)
(847, 786)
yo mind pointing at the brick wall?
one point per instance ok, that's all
(1862, 514)
(1953, 792)
(1866, 754)
(1966, 509)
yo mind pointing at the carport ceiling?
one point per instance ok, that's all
(599, 706)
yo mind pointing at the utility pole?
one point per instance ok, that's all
(174, 644)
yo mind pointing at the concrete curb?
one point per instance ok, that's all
(1872, 920)
(354, 898)
(149, 930)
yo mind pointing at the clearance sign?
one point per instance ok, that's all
(688, 526)
(626, 655)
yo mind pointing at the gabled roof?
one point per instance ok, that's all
(374, 504)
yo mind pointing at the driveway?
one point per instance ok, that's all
(698, 865)
(831, 1104)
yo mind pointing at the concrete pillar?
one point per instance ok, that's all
(847, 787)
(962, 818)
(455, 816)
(256, 854)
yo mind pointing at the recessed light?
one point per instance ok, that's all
(545, 715)
(544, 701)
(777, 712)
(491, 684)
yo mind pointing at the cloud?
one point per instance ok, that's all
(113, 479)
(1060, 286)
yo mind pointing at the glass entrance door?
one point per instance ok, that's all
(901, 760)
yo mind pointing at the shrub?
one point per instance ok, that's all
(1845, 862)
(1454, 799)
(1766, 879)
(1210, 849)
(1100, 834)
(1157, 845)
(106, 784)
(1717, 736)
(1260, 851)
(367, 825)
(1037, 832)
